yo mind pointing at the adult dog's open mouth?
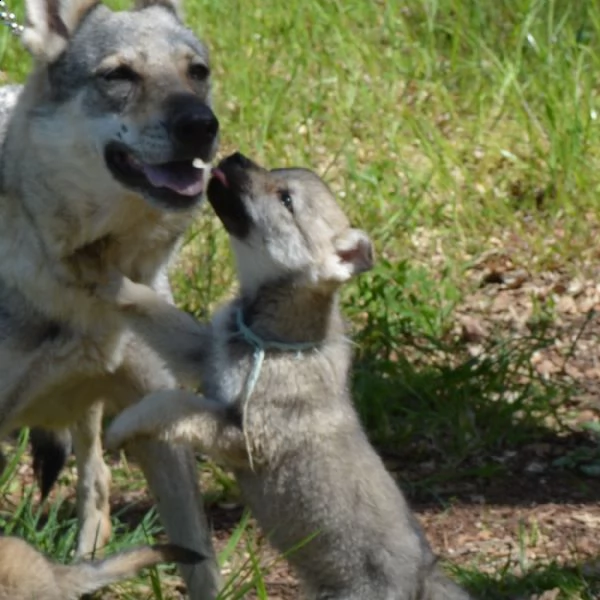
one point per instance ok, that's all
(177, 184)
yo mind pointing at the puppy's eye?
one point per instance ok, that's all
(286, 199)
(122, 73)
(198, 72)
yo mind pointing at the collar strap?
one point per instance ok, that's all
(260, 344)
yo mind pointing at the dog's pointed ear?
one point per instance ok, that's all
(353, 254)
(49, 25)
(175, 6)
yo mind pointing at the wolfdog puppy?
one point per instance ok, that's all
(102, 167)
(274, 365)
(26, 574)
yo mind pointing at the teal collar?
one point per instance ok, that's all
(258, 343)
(260, 346)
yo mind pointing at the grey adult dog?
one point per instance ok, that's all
(101, 168)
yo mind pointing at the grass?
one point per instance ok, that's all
(52, 529)
(447, 128)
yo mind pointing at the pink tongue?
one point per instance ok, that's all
(181, 177)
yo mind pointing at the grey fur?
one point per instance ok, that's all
(314, 475)
(87, 185)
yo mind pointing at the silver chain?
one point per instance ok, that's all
(10, 20)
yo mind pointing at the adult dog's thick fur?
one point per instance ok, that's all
(97, 173)
(26, 574)
(287, 428)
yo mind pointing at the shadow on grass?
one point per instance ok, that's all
(544, 582)
(441, 416)
(483, 421)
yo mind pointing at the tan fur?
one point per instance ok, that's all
(26, 574)
(69, 216)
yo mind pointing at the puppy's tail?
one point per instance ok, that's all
(88, 576)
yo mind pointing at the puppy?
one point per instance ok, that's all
(276, 408)
(26, 574)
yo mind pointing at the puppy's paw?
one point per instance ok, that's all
(119, 290)
(125, 428)
(151, 417)
(110, 288)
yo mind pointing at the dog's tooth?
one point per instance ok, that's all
(133, 161)
(198, 163)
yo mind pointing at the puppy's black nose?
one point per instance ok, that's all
(237, 158)
(238, 162)
(194, 126)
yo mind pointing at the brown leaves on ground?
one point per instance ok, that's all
(515, 301)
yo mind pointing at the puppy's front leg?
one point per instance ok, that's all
(181, 416)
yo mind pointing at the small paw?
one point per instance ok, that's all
(120, 432)
(113, 288)
(114, 439)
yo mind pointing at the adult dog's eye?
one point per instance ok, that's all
(122, 73)
(198, 72)
(286, 199)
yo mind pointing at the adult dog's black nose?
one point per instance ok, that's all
(194, 126)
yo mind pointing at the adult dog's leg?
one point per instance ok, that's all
(93, 482)
(171, 474)
(170, 471)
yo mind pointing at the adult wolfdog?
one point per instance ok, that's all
(101, 167)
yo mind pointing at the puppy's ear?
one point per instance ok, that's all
(176, 6)
(50, 24)
(353, 254)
